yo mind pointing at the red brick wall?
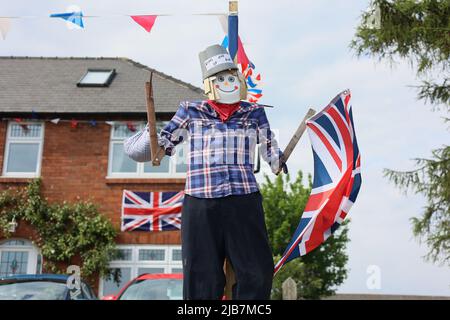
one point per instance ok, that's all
(75, 166)
(3, 126)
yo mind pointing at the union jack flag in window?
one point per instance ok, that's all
(337, 177)
(151, 211)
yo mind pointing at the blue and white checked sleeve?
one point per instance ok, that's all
(137, 147)
(174, 131)
(271, 153)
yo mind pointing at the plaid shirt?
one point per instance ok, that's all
(221, 154)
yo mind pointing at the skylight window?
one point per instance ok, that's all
(97, 78)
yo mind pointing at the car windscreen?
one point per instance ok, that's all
(157, 289)
(32, 290)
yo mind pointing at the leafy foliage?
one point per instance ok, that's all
(418, 31)
(65, 231)
(415, 30)
(434, 93)
(318, 273)
(432, 179)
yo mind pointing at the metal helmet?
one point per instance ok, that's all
(215, 59)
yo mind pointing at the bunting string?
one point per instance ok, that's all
(75, 18)
(122, 15)
(147, 22)
(74, 123)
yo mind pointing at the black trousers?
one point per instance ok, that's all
(231, 227)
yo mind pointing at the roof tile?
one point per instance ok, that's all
(48, 84)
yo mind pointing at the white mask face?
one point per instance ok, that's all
(228, 87)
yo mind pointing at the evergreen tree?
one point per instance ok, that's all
(419, 32)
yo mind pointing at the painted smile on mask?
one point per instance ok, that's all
(235, 88)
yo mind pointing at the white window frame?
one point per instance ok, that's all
(134, 264)
(33, 253)
(139, 174)
(10, 140)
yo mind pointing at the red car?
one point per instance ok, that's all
(151, 287)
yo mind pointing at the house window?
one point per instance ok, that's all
(132, 261)
(23, 150)
(97, 78)
(121, 166)
(19, 257)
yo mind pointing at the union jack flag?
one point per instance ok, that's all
(337, 177)
(151, 211)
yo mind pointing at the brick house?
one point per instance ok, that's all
(86, 162)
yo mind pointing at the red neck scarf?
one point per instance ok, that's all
(224, 110)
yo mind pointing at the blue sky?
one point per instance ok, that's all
(301, 48)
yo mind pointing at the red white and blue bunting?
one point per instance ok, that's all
(74, 123)
(74, 18)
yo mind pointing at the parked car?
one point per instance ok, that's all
(152, 287)
(42, 287)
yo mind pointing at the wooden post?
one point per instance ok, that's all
(297, 135)
(289, 288)
(229, 272)
(230, 280)
(157, 153)
(233, 7)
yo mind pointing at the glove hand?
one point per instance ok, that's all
(283, 165)
(284, 168)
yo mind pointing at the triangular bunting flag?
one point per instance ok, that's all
(242, 56)
(74, 17)
(34, 114)
(5, 25)
(131, 127)
(146, 21)
(223, 19)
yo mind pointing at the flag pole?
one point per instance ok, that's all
(233, 29)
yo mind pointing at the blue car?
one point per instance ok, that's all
(42, 287)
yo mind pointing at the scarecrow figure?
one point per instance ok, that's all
(222, 215)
